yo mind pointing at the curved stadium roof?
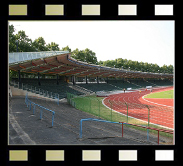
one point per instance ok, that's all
(60, 62)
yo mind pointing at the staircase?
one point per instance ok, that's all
(150, 83)
(81, 89)
(115, 86)
(134, 84)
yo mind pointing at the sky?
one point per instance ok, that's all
(146, 41)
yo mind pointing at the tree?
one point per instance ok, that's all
(109, 63)
(66, 49)
(119, 63)
(90, 56)
(53, 46)
(137, 66)
(39, 44)
(100, 63)
(24, 43)
(12, 39)
(86, 55)
(76, 54)
(164, 68)
(170, 69)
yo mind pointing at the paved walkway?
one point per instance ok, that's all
(26, 128)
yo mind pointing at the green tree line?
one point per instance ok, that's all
(22, 43)
(136, 66)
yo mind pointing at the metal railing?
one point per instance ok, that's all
(123, 123)
(91, 119)
(128, 113)
(29, 104)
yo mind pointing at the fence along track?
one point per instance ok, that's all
(147, 112)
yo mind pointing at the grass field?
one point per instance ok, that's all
(93, 105)
(163, 95)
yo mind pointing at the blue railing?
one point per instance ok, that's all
(29, 104)
(91, 119)
(99, 120)
(57, 98)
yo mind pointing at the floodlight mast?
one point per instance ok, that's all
(17, 44)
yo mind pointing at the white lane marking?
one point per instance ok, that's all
(155, 103)
(133, 117)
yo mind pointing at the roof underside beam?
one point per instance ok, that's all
(59, 64)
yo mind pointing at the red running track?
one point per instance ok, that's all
(159, 114)
(167, 102)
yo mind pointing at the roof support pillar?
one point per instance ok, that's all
(57, 79)
(19, 77)
(73, 80)
(107, 80)
(97, 80)
(86, 79)
(38, 79)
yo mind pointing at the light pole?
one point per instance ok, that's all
(17, 44)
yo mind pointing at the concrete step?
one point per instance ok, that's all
(80, 89)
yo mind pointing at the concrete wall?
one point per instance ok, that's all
(17, 92)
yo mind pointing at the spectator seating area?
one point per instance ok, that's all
(123, 84)
(98, 87)
(161, 82)
(48, 87)
(134, 84)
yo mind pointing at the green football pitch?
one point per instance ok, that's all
(164, 94)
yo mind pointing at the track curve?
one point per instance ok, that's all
(159, 114)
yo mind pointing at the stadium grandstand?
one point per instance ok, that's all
(74, 76)
(55, 75)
